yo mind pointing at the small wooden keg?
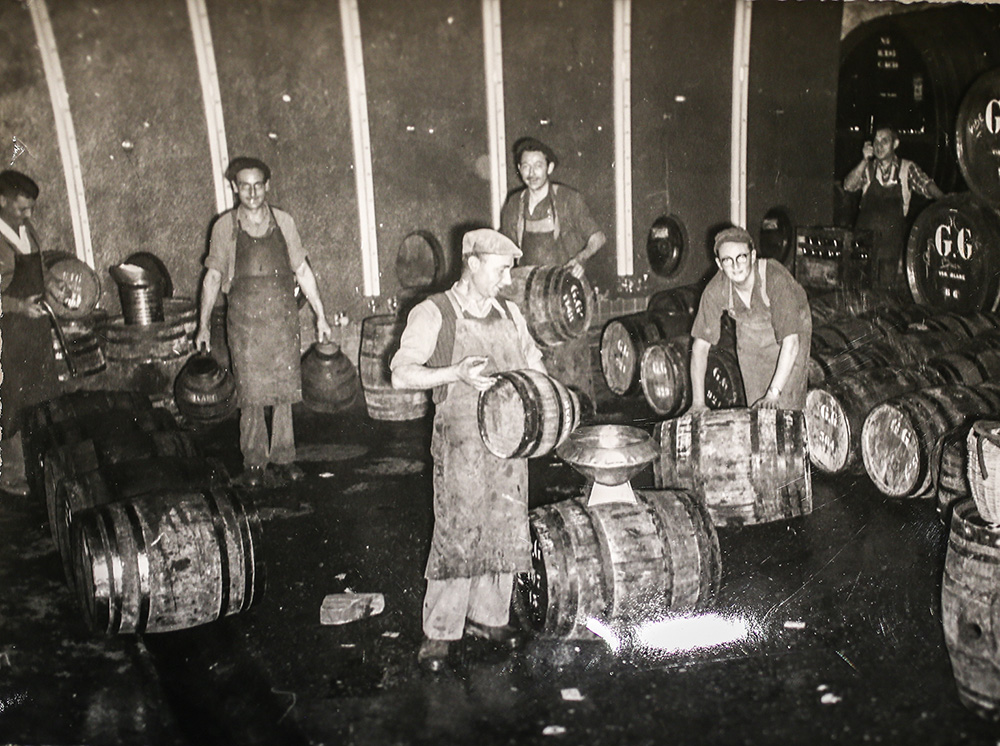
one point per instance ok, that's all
(329, 381)
(380, 337)
(167, 561)
(749, 465)
(626, 338)
(836, 411)
(680, 300)
(899, 436)
(557, 305)
(72, 288)
(969, 603)
(665, 377)
(204, 391)
(618, 560)
(526, 414)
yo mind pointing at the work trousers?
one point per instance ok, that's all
(257, 449)
(485, 599)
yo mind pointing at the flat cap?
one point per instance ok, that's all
(488, 241)
(733, 235)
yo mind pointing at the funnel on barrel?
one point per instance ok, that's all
(609, 456)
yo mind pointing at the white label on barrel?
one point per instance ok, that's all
(944, 240)
(992, 116)
(573, 304)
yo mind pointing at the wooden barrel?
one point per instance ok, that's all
(977, 137)
(967, 325)
(952, 254)
(556, 305)
(526, 414)
(970, 611)
(167, 561)
(826, 364)
(846, 334)
(124, 480)
(72, 288)
(155, 268)
(983, 459)
(951, 476)
(917, 347)
(836, 411)
(158, 340)
(969, 366)
(898, 318)
(899, 435)
(666, 245)
(625, 339)
(421, 262)
(680, 300)
(665, 376)
(83, 349)
(103, 450)
(204, 391)
(750, 465)
(329, 381)
(380, 337)
(618, 560)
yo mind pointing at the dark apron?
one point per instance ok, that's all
(30, 370)
(263, 321)
(881, 211)
(480, 501)
(757, 350)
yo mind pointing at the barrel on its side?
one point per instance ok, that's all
(750, 465)
(626, 338)
(967, 324)
(665, 376)
(899, 435)
(526, 414)
(846, 334)
(970, 366)
(829, 364)
(680, 300)
(836, 412)
(72, 288)
(167, 561)
(950, 471)
(380, 337)
(618, 560)
(557, 305)
(969, 604)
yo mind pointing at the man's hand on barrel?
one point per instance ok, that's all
(768, 401)
(470, 371)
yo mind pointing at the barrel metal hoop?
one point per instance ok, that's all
(530, 395)
(142, 565)
(247, 532)
(606, 578)
(553, 292)
(652, 509)
(112, 612)
(942, 411)
(219, 526)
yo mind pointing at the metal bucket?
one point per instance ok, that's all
(140, 293)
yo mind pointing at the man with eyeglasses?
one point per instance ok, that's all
(773, 325)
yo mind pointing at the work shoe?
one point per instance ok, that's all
(433, 655)
(252, 477)
(508, 636)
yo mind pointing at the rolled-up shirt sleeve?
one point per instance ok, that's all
(222, 249)
(419, 337)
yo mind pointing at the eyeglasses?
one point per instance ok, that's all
(739, 260)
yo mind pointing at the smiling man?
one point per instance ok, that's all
(256, 257)
(454, 342)
(773, 325)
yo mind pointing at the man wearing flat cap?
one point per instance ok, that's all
(453, 343)
(256, 257)
(773, 325)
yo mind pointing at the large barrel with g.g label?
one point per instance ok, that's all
(526, 414)
(122, 481)
(617, 560)
(899, 436)
(977, 137)
(557, 306)
(749, 465)
(836, 411)
(625, 339)
(380, 337)
(952, 255)
(665, 376)
(970, 609)
(105, 449)
(167, 561)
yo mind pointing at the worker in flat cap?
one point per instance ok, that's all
(256, 258)
(453, 343)
(773, 325)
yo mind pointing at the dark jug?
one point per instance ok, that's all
(204, 391)
(329, 381)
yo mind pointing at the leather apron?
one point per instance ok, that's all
(262, 321)
(480, 501)
(30, 370)
(881, 211)
(757, 349)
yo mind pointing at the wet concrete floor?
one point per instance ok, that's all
(828, 631)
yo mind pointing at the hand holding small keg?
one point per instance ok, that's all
(470, 371)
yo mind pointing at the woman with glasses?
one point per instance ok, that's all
(773, 325)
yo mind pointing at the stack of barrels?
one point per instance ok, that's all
(152, 536)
